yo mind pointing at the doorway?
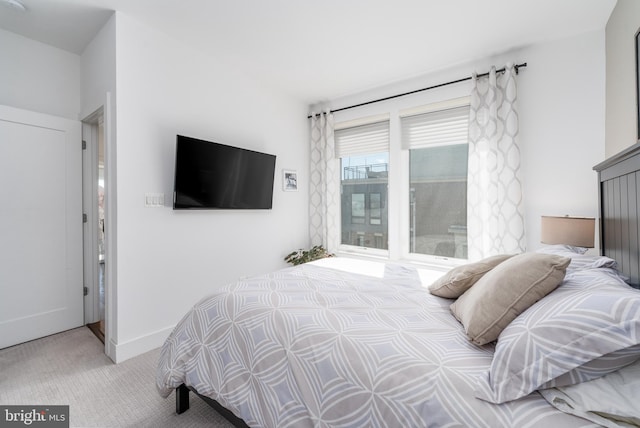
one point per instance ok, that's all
(94, 196)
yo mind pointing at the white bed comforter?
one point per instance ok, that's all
(314, 346)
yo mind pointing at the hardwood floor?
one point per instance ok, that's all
(95, 328)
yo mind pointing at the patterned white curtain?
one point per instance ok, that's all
(495, 213)
(324, 188)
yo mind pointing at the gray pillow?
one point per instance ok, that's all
(459, 279)
(583, 330)
(505, 292)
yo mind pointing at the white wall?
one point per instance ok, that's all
(621, 112)
(562, 112)
(561, 101)
(168, 260)
(38, 77)
(98, 75)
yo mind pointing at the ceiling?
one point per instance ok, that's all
(323, 49)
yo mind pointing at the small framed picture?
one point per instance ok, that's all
(289, 180)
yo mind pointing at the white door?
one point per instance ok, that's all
(41, 290)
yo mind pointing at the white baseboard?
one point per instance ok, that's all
(120, 352)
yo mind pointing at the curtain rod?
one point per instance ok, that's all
(524, 64)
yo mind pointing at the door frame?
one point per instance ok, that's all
(107, 111)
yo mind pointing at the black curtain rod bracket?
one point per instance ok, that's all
(464, 79)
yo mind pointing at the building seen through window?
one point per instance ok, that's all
(364, 180)
(438, 201)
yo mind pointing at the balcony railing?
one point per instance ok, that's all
(363, 172)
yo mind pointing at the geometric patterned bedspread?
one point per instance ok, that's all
(311, 346)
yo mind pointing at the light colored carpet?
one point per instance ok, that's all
(70, 368)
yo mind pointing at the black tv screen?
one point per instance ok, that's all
(209, 175)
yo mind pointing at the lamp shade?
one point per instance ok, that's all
(577, 231)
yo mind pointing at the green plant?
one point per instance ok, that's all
(303, 256)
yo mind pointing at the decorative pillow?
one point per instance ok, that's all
(588, 327)
(505, 292)
(461, 278)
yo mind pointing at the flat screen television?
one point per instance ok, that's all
(209, 175)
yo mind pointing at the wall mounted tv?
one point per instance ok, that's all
(209, 175)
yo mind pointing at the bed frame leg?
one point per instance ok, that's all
(182, 399)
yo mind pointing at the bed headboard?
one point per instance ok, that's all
(619, 199)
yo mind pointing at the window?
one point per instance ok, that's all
(438, 152)
(364, 160)
(403, 182)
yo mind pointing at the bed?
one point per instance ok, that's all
(351, 343)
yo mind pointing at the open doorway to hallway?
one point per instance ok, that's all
(94, 222)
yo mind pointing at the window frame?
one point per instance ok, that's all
(454, 109)
(359, 122)
(398, 191)
(356, 249)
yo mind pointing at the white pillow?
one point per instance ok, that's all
(607, 401)
(579, 260)
(560, 249)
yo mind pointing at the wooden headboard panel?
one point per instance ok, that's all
(619, 197)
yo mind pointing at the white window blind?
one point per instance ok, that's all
(370, 138)
(437, 128)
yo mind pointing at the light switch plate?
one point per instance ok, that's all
(154, 200)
